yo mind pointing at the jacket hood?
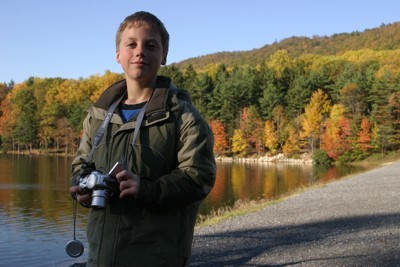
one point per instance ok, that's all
(117, 89)
(158, 103)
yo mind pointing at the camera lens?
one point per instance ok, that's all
(99, 199)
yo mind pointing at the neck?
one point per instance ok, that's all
(138, 93)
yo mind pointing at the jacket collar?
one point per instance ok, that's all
(157, 108)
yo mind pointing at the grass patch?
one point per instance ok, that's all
(376, 160)
(240, 207)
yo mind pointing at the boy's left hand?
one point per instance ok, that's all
(128, 183)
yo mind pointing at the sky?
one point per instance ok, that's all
(76, 38)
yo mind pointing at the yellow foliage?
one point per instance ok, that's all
(270, 136)
(337, 111)
(280, 61)
(313, 116)
(239, 143)
(292, 144)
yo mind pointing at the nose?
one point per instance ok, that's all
(139, 50)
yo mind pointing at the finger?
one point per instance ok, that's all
(74, 189)
(127, 184)
(83, 198)
(129, 187)
(122, 176)
(127, 192)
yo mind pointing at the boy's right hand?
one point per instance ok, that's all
(84, 199)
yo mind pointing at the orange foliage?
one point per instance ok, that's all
(364, 136)
(220, 137)
(335, 138)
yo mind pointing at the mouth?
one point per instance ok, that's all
(139, 63)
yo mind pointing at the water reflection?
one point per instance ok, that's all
(239, 180)
(35, 211)
(36, 208)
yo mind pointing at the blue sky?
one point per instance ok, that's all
(75, 38)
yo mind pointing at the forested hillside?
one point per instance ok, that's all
(335, 97)
(381, 38)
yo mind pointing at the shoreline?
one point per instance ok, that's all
(246, 207)
(278, 158)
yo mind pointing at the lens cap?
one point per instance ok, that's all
(74, 248)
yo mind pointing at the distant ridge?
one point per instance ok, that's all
(384, 37)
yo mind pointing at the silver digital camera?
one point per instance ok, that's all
(102, 186)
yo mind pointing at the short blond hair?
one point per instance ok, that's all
(143, 17)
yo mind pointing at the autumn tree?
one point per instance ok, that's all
(334, 139)
(280, 119)
(240, 145)
(353, 97)
(220, 137)
(26, 126)
(4, 89)
(292, 144)
(314, 115)
(252, 128)
(8, 120)
(95, 85)
(271, 137)
(280, 62)
(48, 108)
(364, 136)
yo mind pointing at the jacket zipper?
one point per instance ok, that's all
(116, 240)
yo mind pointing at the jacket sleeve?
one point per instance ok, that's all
(194, 176)
(82, 153)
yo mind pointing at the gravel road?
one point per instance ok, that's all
(354, 221)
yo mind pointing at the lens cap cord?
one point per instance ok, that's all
(74, 248)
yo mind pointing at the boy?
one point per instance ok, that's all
(165, 147)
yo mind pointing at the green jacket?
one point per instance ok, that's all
(173, 155)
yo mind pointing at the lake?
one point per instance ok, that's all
(36, 209)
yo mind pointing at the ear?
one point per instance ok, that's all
(117, 56)
(164, 61)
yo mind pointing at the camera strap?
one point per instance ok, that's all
(103, 127)
(139, 123)
(107, 120)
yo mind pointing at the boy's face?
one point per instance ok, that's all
(140, 53)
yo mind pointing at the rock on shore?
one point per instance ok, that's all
(303, 159)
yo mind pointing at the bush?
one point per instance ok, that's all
(350, 156)
(321, 157)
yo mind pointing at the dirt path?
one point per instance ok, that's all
(350, 222)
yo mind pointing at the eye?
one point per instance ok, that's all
(131, 45)
(151, 45)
